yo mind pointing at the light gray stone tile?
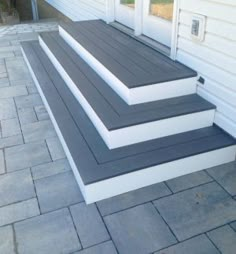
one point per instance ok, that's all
(57, 191)
(226, 176)
(7, 109)
(10, 127)
(233, 225)
(11, 141)
(139, 230)
(26, 156)
(104, 248)
(188, 181)
(18, 211)
(51, 168)
(49, 233)
(7, 240)
(132, 198)
(12, 91)
(224, 238)
(27, 115)
(197, 245)
(2, 163)
(3, 75)
(28, 101)
(32, 90)
(197, 210)
(17, 69)
(4, 82)
(28, 36)
(42, 113)
(55, 148)
(89, 224)
(15, 187)
(6, 54)
(38, 131)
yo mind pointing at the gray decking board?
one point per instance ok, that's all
(113, 111)
(76, 131)
(131, 63)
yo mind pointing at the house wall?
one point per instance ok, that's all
(215, 57)
(78, 10)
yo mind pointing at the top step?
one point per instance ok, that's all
(136, 72)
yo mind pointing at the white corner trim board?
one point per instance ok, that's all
(136, 95)
(136, 133)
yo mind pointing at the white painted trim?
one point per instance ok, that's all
(175, 28)
(136, 95)
(110, 11)
(137, 133)
(148, 176)
(138, 179)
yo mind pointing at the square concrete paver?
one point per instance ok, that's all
(38, 131)
(104, 248)
(27, 155)
(51, 168)
(11, 141)
(197, 245)
(188, 181)
(55, 148)
(89, 224)
(233, 225)
(132, 198)
(7, 109)
(139, 230)
(10, 127)
(52, 233)
(2, 163)
(225, 239)
(12, 91)
(6, 240)
(28, 101)
(27, 115)
(15, 187)
(226, 176)
(18, 211)
(197, 210)
(58, 191)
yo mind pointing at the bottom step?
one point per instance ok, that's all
(102, 173)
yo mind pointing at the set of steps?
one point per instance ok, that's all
(127, 116)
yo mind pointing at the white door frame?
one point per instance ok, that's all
(138, 24)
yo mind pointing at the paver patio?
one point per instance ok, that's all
(42, 209)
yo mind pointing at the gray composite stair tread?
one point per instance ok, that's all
(109, 107)
(132, 62)
(93, 159)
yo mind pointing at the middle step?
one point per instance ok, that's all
(118, 123)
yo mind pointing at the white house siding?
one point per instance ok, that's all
(215, 57)
(78, 10)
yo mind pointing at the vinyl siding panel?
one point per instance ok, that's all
(78, 10)
(215, 57)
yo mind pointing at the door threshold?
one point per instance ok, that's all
(142, 38)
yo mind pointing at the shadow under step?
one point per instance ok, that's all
(102, 173)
